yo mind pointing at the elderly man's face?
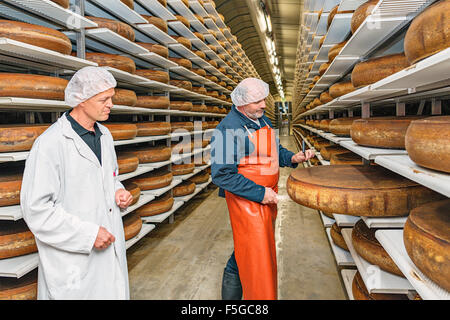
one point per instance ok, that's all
(99, 106)
(255, 110)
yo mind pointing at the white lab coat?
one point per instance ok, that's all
(66, 196)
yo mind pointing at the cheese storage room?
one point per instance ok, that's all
(218, 150)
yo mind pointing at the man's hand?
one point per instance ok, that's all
(270, 197)
(123, 198)
(104, 239)
(302, 157)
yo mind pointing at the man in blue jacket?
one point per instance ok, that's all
(246, 171)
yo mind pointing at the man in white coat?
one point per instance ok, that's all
(71, 197)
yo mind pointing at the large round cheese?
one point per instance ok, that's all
(328, 151)
(324, 124)
(181, 105)
(155, 75)
(360, 292)
(183, 189)
(152, 128)
(373, 70)
(19, 137)
(427, 142)
(155, 48)
(334, 51)
(320, 144)
(345, 158)
(112, 60)
(163, 2)
(153, 102)
(361, 13)
(15, 239)
(184, 84)
(182, 62)
(158, 206)
(199, 108)
(181, 169)
(341, 88)
(157, 22)
(127, 163)
(132, 224)
(147, 154)
(36, 35)
(153, 180)
(121, 131)
(63, 3)
(133, 188)
(32, 86)
(199, 53)
(200, 178)
(325, 97)
(368, 247)
(357, 190)
(200, 90)
(183, 20)
(128, 3)
(427, 241)
(23, 288)
(200, 72)
(10, 185)
(323, 67)
(381, 132)
(124, 97)
(189, 126)
(429, 32)
(118, 27)
(341, 126)
(336, 236)
(184, 41)
(182, 147)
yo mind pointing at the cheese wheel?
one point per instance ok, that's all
(334, 51)
(381, 132)
(118, 27)
(123, 97)
(323, 67)
(32, 86)
(134, 190)
(155, 75)
(189, 126)
(132, 224)
(155, 48)
(121, 131)
(200, 36)
(187, 85)
(336, 236)
(212, 78)
(153, 180)
(201, 54)
(328, 151)
(147, 154)
(368, 247)
(128, 3)
(200, 72)
(36, 35)
(19, 137)
(429, 32)
(315, 79)
(157, 22)
(10, 185)
(158, 206)
(370, 191)
(360, 292)
(318, 145)
(127, 162)
(373, 70)
(63, 3)
(199, 108)
(361, 13)
(345, 158)
(182, 147)
(181, 169)
(341, 126)
(324, 124)
(427, 142)
(15, 239)
(181, 105)
(182, 62)
(185, 42)
(112, 60)
(321, 41)
(163, 2)
(199, 178)
(213, 63)
(427, 241)
(212, 93)
(183, 20)
(199, 18)
(212, 47)
(325, 97)
(341, 88)
(153, 102)
(23, 288)
(183, 189)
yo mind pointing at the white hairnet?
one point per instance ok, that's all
(248, 91)
(86, 83)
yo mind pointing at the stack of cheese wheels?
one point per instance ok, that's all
(189, 126)
(10, 185)
(360, 292)
(156, 179)
(152, 102)
(157, 22)
(368, 247)
(39, 36)
(155, 48)
(328, 151)
(334, 51)
(15, 239)
(341, 126)
(23, 288)
(127, 162)
(118, 27)
(429, 32)
(336, 236)
(112, 60)
(183, 189)
(133, 188)
(121, 131)
(427, 241)
(182, 169)
(128, 3)
(381, 132)
(324, 124)
(201, 177)
(183, 84)
(361, 13)
(373, 70)
(152, 128)
(182, 62)
(184, 41)
(32, 86)
(370, 191)
(181, 105)
(19, 137)
(124, 97)
(427, 142)
(132, 224)
(325, 97)
(341, 88)
(348, 158)
(147, 154)
(155, 75)
(161, 205)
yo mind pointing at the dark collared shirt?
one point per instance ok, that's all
(91, 138)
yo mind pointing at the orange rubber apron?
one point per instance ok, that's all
(253, 223)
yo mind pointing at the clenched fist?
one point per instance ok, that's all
(302, 157)
(104, 239)
(123, 198)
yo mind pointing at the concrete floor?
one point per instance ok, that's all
(185, 259)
